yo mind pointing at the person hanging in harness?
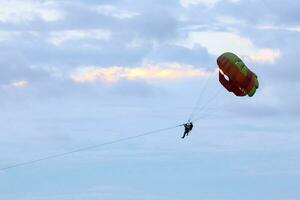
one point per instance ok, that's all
(187, 128)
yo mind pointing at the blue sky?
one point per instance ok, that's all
(79, 73)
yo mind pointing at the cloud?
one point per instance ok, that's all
(148, 72)
(16, 84)
(187, 3)
(265, 55)
(276, 27)
(60, 37)
(20, 11)
(19, 84)
(208, 3)
(218, 42)
(261, 12)
(9, 35)
(113, 11)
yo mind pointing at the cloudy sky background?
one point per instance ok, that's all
(79, 73)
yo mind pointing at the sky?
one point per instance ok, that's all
(85, 72)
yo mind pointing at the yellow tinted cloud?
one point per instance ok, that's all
(266, 55)
(148, 72)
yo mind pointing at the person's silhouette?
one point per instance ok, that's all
(187, 128)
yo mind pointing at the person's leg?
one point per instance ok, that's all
(184, 134)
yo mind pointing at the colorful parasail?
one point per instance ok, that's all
(235, 76)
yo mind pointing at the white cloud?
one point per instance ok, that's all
(207, 3)
(187, 3)
(148, 72)
(53, 71)
(8, 35)
(19, 11)
(16, 84)
(60, 37)
(223, 19)
(19, 84)
(220, 42)
(284, 28)
(113, 11)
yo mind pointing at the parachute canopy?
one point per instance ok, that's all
(235, 76)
